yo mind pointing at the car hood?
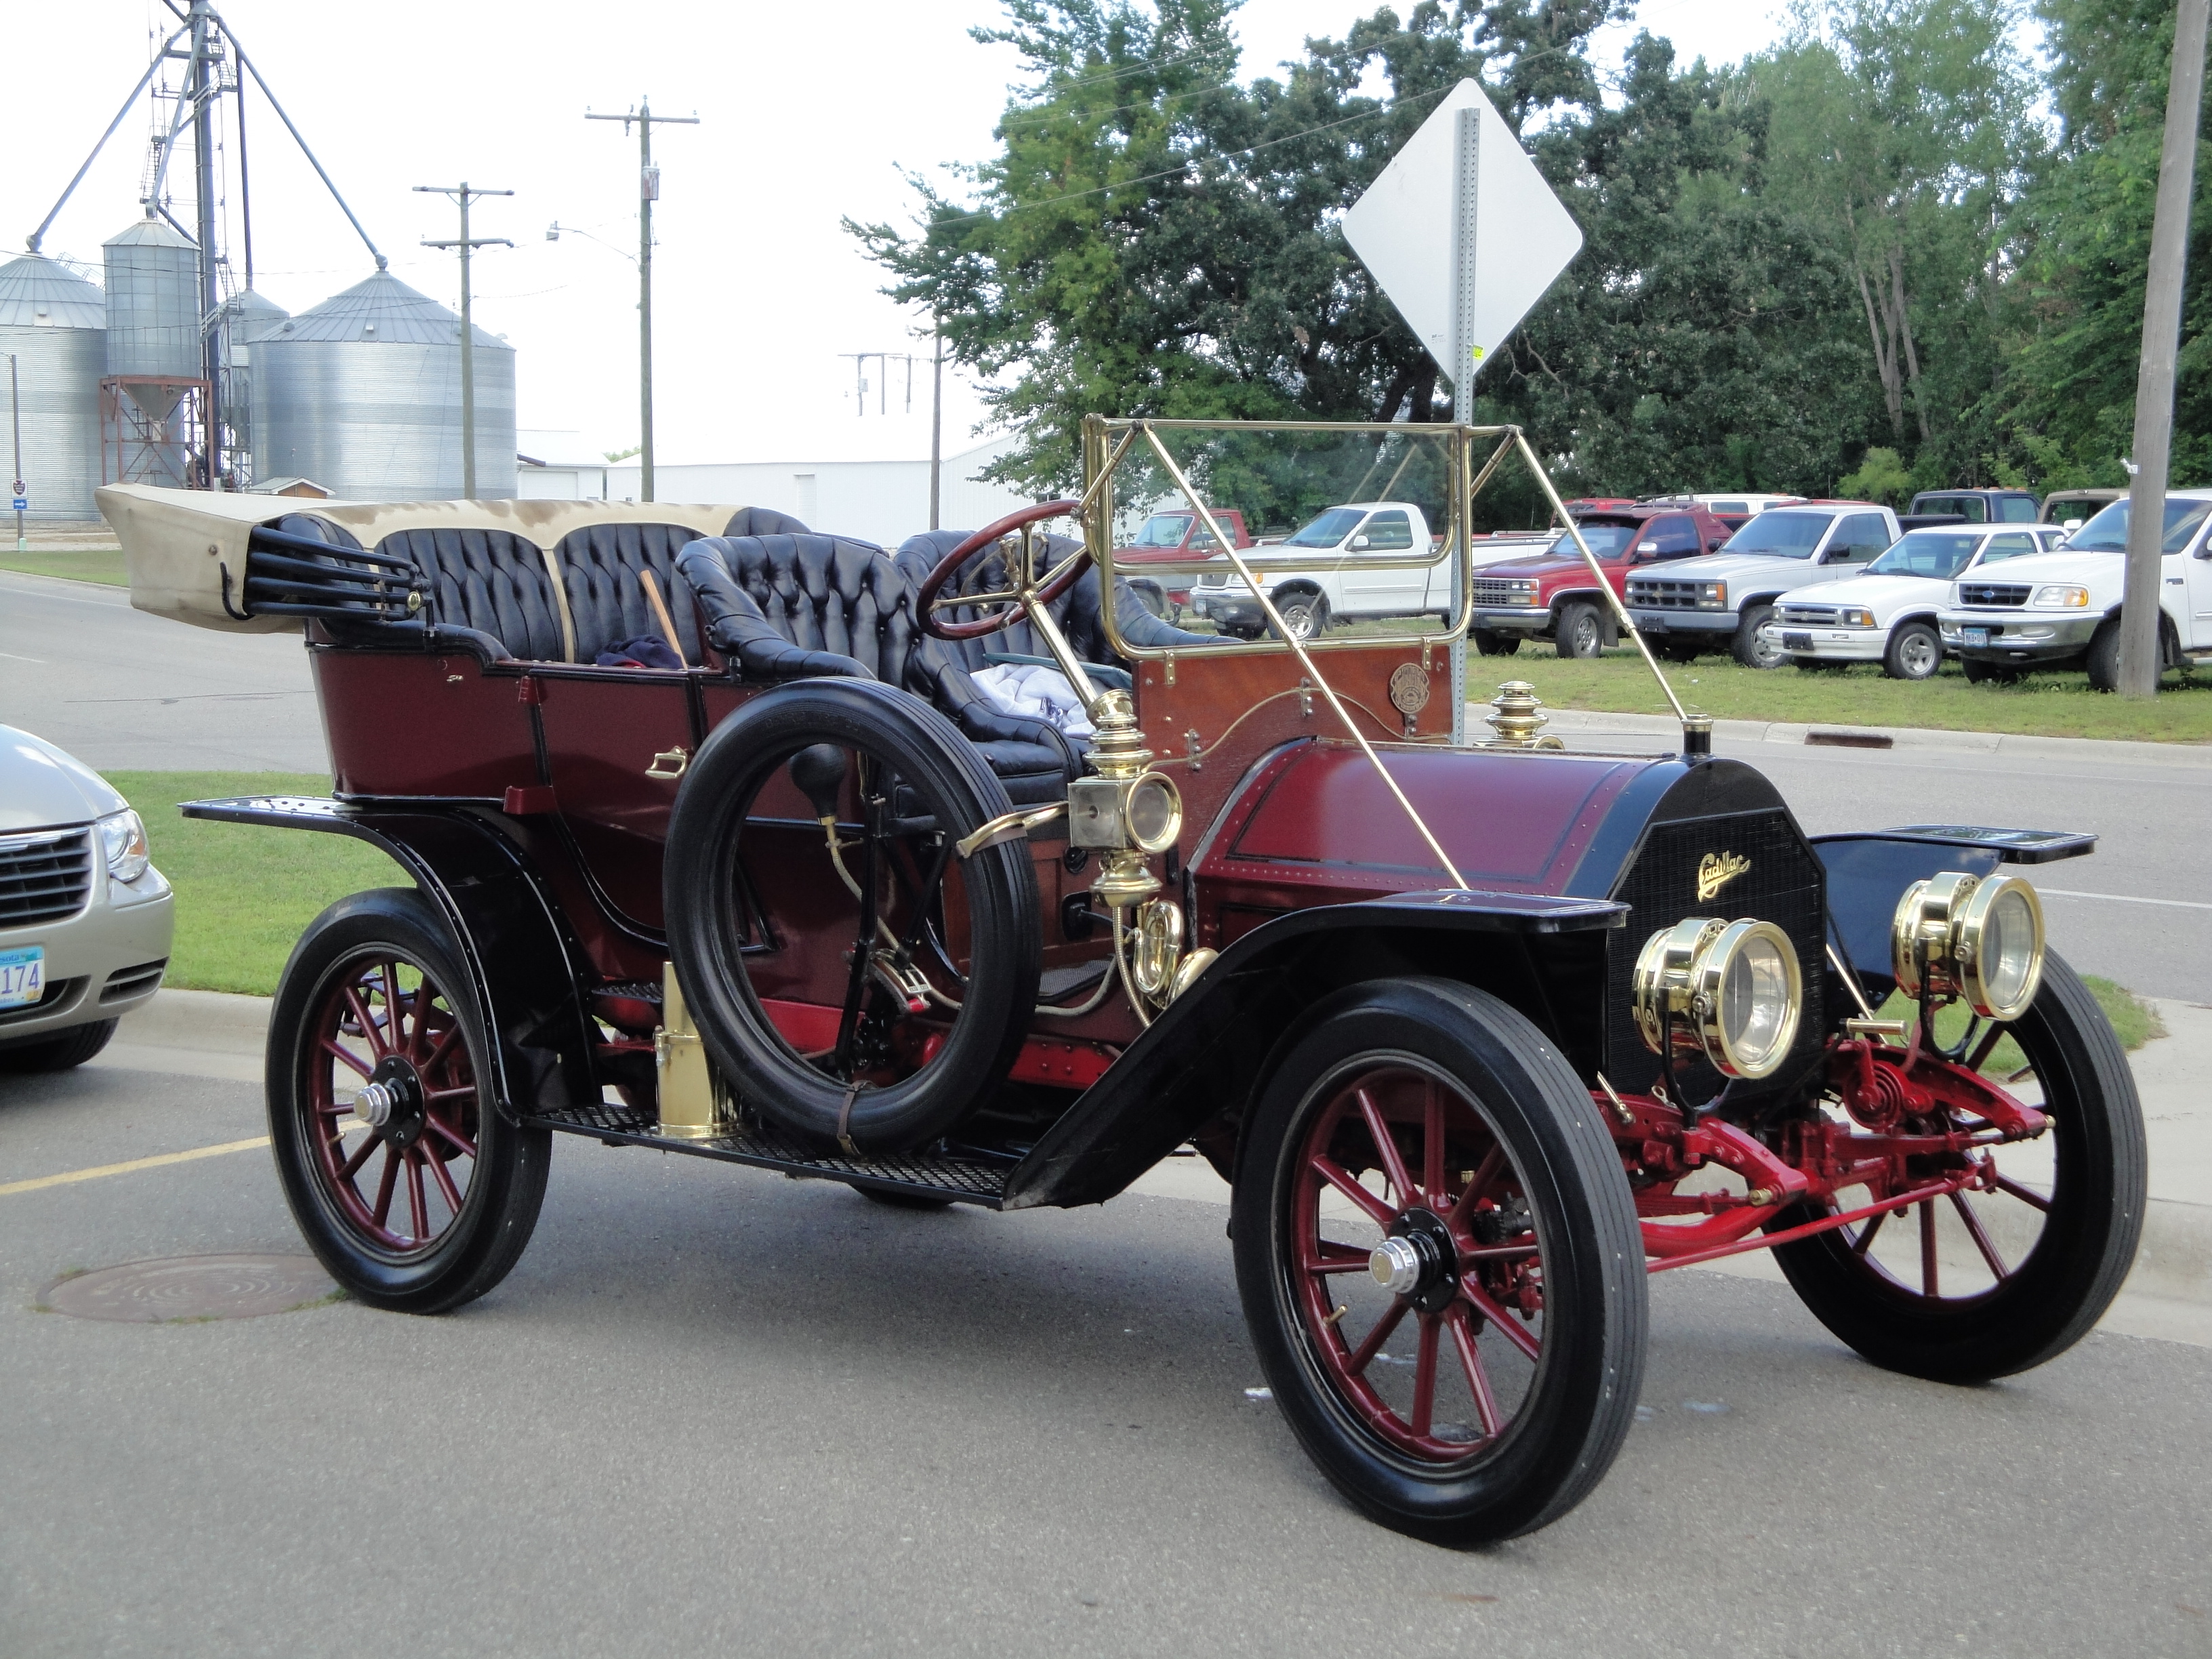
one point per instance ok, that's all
(1536, 567)
(1872, 591)
(41, 787)
(1724, 566)
(2052, 568)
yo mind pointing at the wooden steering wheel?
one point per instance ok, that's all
(1028, 588)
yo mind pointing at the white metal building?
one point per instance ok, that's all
(880, 501)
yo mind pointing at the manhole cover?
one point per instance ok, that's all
(191, 1287)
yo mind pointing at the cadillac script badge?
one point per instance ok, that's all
(1716, 869)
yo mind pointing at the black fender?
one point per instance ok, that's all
(1207, 1051)
(526, 968)
(1868, 870)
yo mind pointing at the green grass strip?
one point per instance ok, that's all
(103, 565)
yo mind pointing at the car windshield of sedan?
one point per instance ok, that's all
(1941, 554)
(1781, 535)
(2108, 531)
(1332, 527)
(1162, 530)
(1607, 541)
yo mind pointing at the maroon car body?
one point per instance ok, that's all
(1553, 597)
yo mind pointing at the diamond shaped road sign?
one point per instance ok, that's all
(1463, 233)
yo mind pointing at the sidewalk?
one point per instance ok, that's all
(2168, 1295)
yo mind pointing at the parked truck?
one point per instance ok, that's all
(1174, 536)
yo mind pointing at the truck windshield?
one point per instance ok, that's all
(1938, 553)
(1781, 535)
(1332, 527)
(1607, 541)
(1162, 530)
(2108, 531)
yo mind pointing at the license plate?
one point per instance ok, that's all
(1797, 641)
(1973, 636)
(23, 975)
(1652, 624)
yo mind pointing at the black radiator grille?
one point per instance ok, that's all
(1781, 885)
(1986, 594)
(43, 877)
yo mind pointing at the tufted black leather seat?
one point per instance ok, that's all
(600, 569)
(491, 580)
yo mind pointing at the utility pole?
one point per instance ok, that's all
(15, 410)
(861, 378)
(2162, 336)
(936, 421)
(467, 243)
(203, 87)
(648, 192)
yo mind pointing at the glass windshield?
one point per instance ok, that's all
(1781, 535)
(1332, 527)
(2108, 531)
(1164, 530)
(1607, 541)
(1938, 553)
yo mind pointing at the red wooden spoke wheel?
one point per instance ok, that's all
(408, 1181)
(1439, 1261)
(1401, 1175)
(396, 1103)
(2020, 1264)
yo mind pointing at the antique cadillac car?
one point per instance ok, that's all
(1478, 1033)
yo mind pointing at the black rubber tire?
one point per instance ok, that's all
(507, 1186)
(72, 1047)
(1978, 672)
(1489, 643)
(705, 910)
(1915, 652)
(1582, 631)
(2090, 1236)
(1149, 595)
(1302, 605)
(1745, 646)
(1583, 1397)
(2103, 660)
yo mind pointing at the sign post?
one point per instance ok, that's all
(15, 418)
(1465, 235)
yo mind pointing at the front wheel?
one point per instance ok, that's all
(1915, 652)
(57, 1054)
(1581, 632)
(1304, 615)
(1750, 646)
(1490, 643)
(1439, 1260)
(415, 1193)
(2017, 1269)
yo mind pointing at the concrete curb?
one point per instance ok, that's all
(1598, 722)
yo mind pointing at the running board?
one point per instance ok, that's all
(963, 1181)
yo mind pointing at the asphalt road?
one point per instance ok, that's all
(118, 687)
(714, 1410)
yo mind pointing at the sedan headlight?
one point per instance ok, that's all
(1975, 940)
(2060, 596)
(1727, 991)
(1712, 595)
(123, 839)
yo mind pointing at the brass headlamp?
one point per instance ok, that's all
(1975, 939)
(1727, 992)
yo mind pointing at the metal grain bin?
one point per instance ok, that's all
(152, 330)
(55, 322)
(362, 393)
(246, 316)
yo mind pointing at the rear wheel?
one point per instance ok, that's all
(1988, 673)
(1818, 665)
(1679, 650)
(1489, 643)
(1581, 631)
(416, 1194)
(1915, 652)
(1439, 1264)
(2017, 1269)
(57, 1054)
(1749, 646)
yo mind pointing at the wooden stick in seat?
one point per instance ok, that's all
(652, 597)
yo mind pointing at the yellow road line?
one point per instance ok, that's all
(136, 1164)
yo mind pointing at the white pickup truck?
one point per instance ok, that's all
(2062, 609)
(1380, 561)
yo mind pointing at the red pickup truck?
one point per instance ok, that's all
(1553, 596)
(1174, 536)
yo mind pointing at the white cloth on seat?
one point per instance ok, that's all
(1035, 693)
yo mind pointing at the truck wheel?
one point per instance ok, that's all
(1988, 673)
(1439, 1260)
(1915, 652)
(1581, 631)
(898, 1075)
(1748, 648)
(425, 1201)
(1489, 644)
(2103, 659)
(1993, 1282)
(1303, 614)
(57, 1054)
(1151, 597)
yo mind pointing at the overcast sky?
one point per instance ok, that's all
(807, 113)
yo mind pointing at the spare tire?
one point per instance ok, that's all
(941, 784)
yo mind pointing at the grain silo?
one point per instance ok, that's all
(362, 394)
(246, 316)
(54, 322)
(153, 349)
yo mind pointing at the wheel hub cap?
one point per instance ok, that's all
(391, 1102)
(1418, 1262)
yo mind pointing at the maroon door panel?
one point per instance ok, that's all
(407, 724)
(612, 745)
